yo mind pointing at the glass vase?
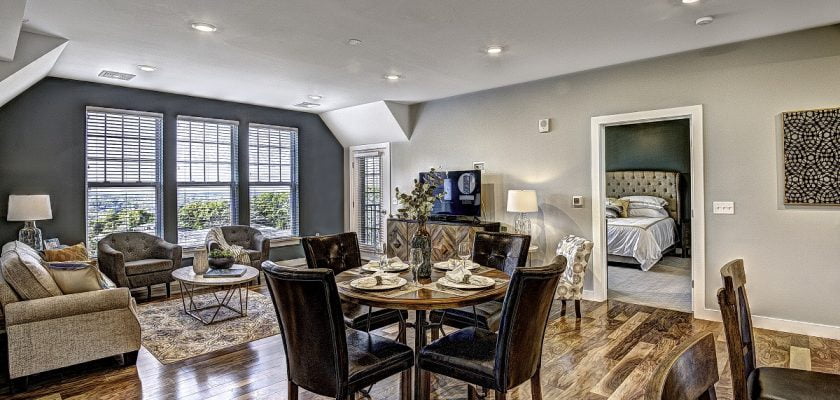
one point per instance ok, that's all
(423, 240)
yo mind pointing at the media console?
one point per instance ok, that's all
(446, 235)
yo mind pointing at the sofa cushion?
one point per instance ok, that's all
(147, 266)
(26, 273)
(77, 277)
(76, 252)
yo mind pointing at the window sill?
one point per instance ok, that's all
(188, 252)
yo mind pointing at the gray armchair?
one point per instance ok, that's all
(250, 239)
(136, 259)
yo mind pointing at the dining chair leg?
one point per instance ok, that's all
(500, 395)
(405, 385)
(563, 307)
(293, 391)
(536, 387)
(427, 384)
(577, 309)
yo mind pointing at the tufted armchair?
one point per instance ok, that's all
(137, 259)
(250, 239)
(576, 250)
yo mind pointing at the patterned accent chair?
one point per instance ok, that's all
(137, 259)
(250, 239)
(576, 250)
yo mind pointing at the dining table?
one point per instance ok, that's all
(420, 296)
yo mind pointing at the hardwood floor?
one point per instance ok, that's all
(608, 354)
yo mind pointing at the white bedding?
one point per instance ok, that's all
(642, 238)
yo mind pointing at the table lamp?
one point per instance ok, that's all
(522, 201)
(30, 208)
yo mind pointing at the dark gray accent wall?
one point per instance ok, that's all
(664, 146)
(42, 150)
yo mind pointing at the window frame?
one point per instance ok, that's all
(384, 150)
(293, 185)
(157, 185)
(233, 184)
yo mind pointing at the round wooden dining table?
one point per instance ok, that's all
(420, 297)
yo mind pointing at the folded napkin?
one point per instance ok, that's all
(459, 275)
(395, 261)
(385, 278)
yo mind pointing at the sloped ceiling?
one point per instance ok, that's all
(377, 122)
(35, 56)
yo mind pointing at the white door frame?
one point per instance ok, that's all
(385, 150)
(697, 212)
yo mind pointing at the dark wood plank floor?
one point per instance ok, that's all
(609, 354)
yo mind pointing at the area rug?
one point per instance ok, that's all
(171, 335)
(666, 285)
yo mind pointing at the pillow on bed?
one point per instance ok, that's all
(647, 212)
(652, 200)
(612, 213)
(644, 205)
(620, 205)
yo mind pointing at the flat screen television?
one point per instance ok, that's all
(461, 193)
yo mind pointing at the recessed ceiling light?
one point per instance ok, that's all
(147, 68)
(689, 1)
(203, 27)
(494, 50)
(315, 97)
(392, 77)
(354, 42)
(704, 20)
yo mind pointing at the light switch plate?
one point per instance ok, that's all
(577, 201)
(723, 207)
(479, 165)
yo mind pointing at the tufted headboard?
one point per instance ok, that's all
(664, 184)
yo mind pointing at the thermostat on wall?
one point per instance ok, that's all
(544, 125)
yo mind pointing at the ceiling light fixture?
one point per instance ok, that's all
(147, 68)
(315, 97)
(704, 20)
(494, 50)
(354, 42)
(392, 77)
(203, 27)
(689, 1)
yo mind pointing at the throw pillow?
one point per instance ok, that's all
(622, 205)
(27, 275)
(76, 252)
(77, 277)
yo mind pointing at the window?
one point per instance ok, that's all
(206, 177)
(123, 149)
(272, 176)
(370, 194)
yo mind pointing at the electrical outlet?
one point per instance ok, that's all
(723, 207)
(479, 165)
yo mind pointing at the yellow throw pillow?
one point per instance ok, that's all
(76, 277)
(623, 205)
(76, 252)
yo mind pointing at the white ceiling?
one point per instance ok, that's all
(275, 53)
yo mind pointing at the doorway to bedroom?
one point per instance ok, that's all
(647, 167)
(647, 199)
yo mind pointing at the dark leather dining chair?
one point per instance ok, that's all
(503, 251)
(749, 381)
(322, 356)
(505, 360)
(689, 372)
(339, 253)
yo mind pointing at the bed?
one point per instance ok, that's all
(643, 240)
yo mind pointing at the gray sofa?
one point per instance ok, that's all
(136, 259)
(47, 330)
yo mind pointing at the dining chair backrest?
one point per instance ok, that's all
(338, 252)
(502, 251)
(689, 372)
(737, 325)
(525, 313)
(312, 324)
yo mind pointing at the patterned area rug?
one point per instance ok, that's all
(666, 285)
(171, 335)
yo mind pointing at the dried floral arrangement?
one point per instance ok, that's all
(418, 204)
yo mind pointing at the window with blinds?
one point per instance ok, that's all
(206, 172)
(368, 199)
(272, 177)
(123, 153)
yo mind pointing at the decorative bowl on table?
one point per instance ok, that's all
(220, 262)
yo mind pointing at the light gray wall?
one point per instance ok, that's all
(792, 254)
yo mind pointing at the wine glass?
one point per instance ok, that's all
(383, 255)
(464, 252)
(415, 258)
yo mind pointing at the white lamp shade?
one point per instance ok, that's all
(522, 201)
(29, 207)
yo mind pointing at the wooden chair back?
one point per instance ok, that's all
(689, 372)
(737, 325)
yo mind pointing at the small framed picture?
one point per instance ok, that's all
(52, 244)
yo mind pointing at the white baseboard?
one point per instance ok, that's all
(588, 295)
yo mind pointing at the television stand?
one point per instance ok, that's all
(448, 235)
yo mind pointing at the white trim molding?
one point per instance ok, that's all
(698, 233)
(780, 324)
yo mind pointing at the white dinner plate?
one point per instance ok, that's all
(444, 265)
(369, 283)
(476, 282)
(393, 267)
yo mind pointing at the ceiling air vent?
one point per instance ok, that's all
(116, 75)
(307, 104)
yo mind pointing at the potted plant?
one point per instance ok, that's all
(220, 259)
(417, 205)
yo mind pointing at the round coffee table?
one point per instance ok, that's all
(190, 282)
